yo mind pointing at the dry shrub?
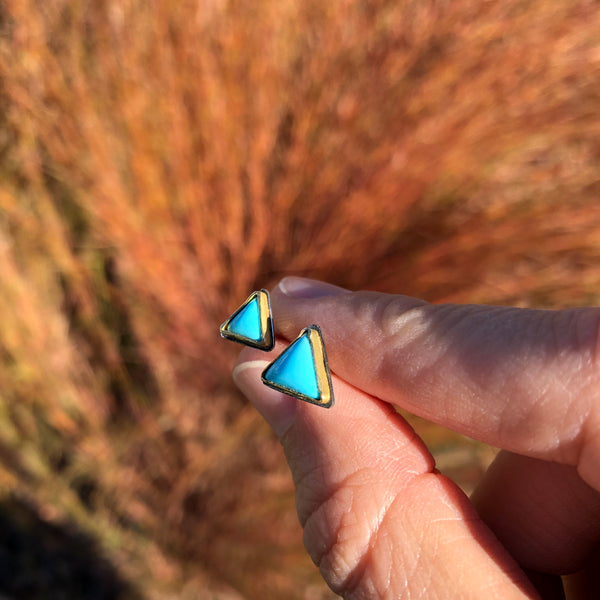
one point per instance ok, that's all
(160, 160)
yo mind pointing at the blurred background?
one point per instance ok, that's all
(160, 160)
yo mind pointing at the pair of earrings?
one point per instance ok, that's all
(301, 370)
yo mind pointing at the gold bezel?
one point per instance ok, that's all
(315, 339)
(267, 341)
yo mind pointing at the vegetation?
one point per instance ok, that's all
(159, 160)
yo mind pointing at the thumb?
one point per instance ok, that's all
(377, 519)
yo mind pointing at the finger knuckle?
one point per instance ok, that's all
(341, 531)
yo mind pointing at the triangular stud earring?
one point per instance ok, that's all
(252, 324)
(301, 370)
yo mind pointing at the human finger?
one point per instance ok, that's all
(524, 380)
(544, 514)
(378, 519)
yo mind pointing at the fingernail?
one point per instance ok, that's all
(300, 287)
(277, 409)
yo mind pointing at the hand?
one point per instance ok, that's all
(378, 519)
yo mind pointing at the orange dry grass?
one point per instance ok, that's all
(160, 160)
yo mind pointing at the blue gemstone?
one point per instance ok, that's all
(247, 322)
(295, 369)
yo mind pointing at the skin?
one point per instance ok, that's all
(378, 519)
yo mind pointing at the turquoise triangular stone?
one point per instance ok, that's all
(251, 324)
(295, 369)
(247, 322)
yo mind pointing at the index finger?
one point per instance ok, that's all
(521, 379)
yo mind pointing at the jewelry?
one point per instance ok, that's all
(301, 370)
(252, 324)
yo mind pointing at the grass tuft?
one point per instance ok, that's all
(160, 160)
